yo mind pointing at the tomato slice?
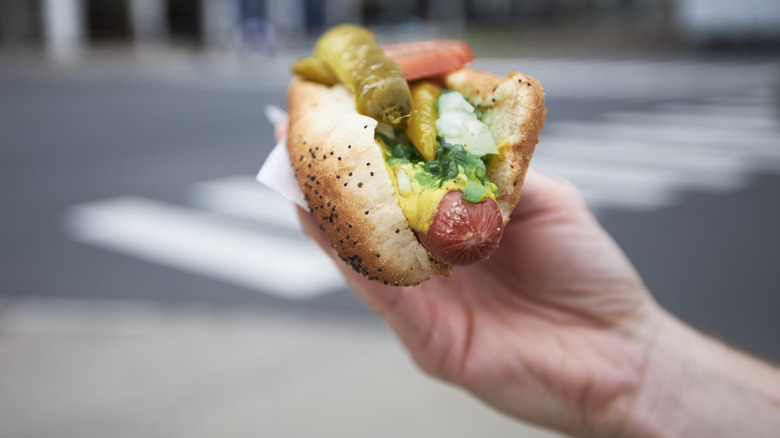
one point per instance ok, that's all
(425, 59)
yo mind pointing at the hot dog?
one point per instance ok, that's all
(462, 232)
(401, 199)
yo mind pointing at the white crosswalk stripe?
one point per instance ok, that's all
(634, 160)
(199, 242)
(242, 196)
(641, 161)
(761, 142)
(684, 115)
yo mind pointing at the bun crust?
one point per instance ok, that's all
(346, 185)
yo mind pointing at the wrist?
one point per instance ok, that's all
(695, 386)
(638, 338)
(657, 405)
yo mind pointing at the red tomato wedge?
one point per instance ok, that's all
(425, 59)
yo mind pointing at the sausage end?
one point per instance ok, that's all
(462, 232)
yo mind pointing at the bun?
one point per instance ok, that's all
(346, 184)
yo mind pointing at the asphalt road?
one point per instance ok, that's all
(707, 248)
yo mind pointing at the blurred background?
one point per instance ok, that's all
(149, 286)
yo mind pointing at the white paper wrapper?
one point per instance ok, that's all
(277, 172)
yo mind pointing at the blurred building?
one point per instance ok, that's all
(63, 25)
(67, 25)
(729, 22)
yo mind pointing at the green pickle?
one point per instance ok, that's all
(314, 69)
(353, 54)
(421, 128)
(474, 192)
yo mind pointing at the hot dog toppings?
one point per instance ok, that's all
(421, 128)
(427, 59)
(421, 184)
(458, 123)
(351, 54)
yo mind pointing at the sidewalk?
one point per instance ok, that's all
(89, 369)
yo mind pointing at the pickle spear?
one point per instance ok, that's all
(353, 54)
(421, 128)
(314, 69)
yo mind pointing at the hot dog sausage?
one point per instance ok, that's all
(463, 232)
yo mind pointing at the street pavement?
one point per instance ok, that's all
(149, 286)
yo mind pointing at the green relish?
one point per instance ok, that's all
(453, 163)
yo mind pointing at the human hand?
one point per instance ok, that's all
(556, 328)
(552, 328)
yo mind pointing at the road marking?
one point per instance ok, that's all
(644, 160)
(736, 109)
(607, 176)
(734, 118)
(243, 196)
(710, 172)
(765, 144)
(629, 198)
(200, 243)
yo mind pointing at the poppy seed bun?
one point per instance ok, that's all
(345, 182)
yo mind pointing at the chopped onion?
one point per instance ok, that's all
(458, 124)
(454, 102)
(404, 183)
(448, 124)
(477, 138)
